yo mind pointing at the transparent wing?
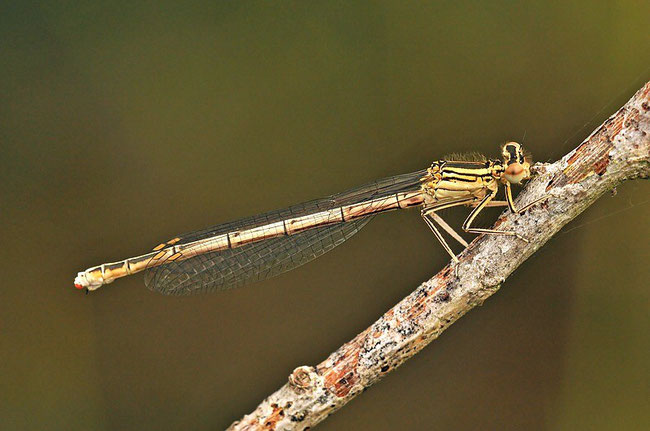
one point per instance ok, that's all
(226, 269)
(232, 268)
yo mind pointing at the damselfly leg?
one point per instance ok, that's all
(431, 218)
(511, 204)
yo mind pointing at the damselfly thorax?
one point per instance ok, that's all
(259, 247)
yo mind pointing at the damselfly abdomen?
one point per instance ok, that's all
(255, 248)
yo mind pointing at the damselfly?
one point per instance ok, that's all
(255, 248)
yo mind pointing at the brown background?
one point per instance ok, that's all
(122, 125)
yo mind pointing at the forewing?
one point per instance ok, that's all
(226, 269)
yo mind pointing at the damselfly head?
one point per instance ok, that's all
(516, 163)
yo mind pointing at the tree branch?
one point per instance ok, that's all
(616, 151)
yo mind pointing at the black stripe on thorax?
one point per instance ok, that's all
(463, 178)
(477, 172)
(466, 165)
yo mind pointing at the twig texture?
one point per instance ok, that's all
(616, 151)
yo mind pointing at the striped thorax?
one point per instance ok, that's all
(447, 179)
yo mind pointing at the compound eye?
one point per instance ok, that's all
(515, 173)
(514, 169)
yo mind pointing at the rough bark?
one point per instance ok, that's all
(616, 151)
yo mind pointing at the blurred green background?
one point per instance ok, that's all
(124, 123)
